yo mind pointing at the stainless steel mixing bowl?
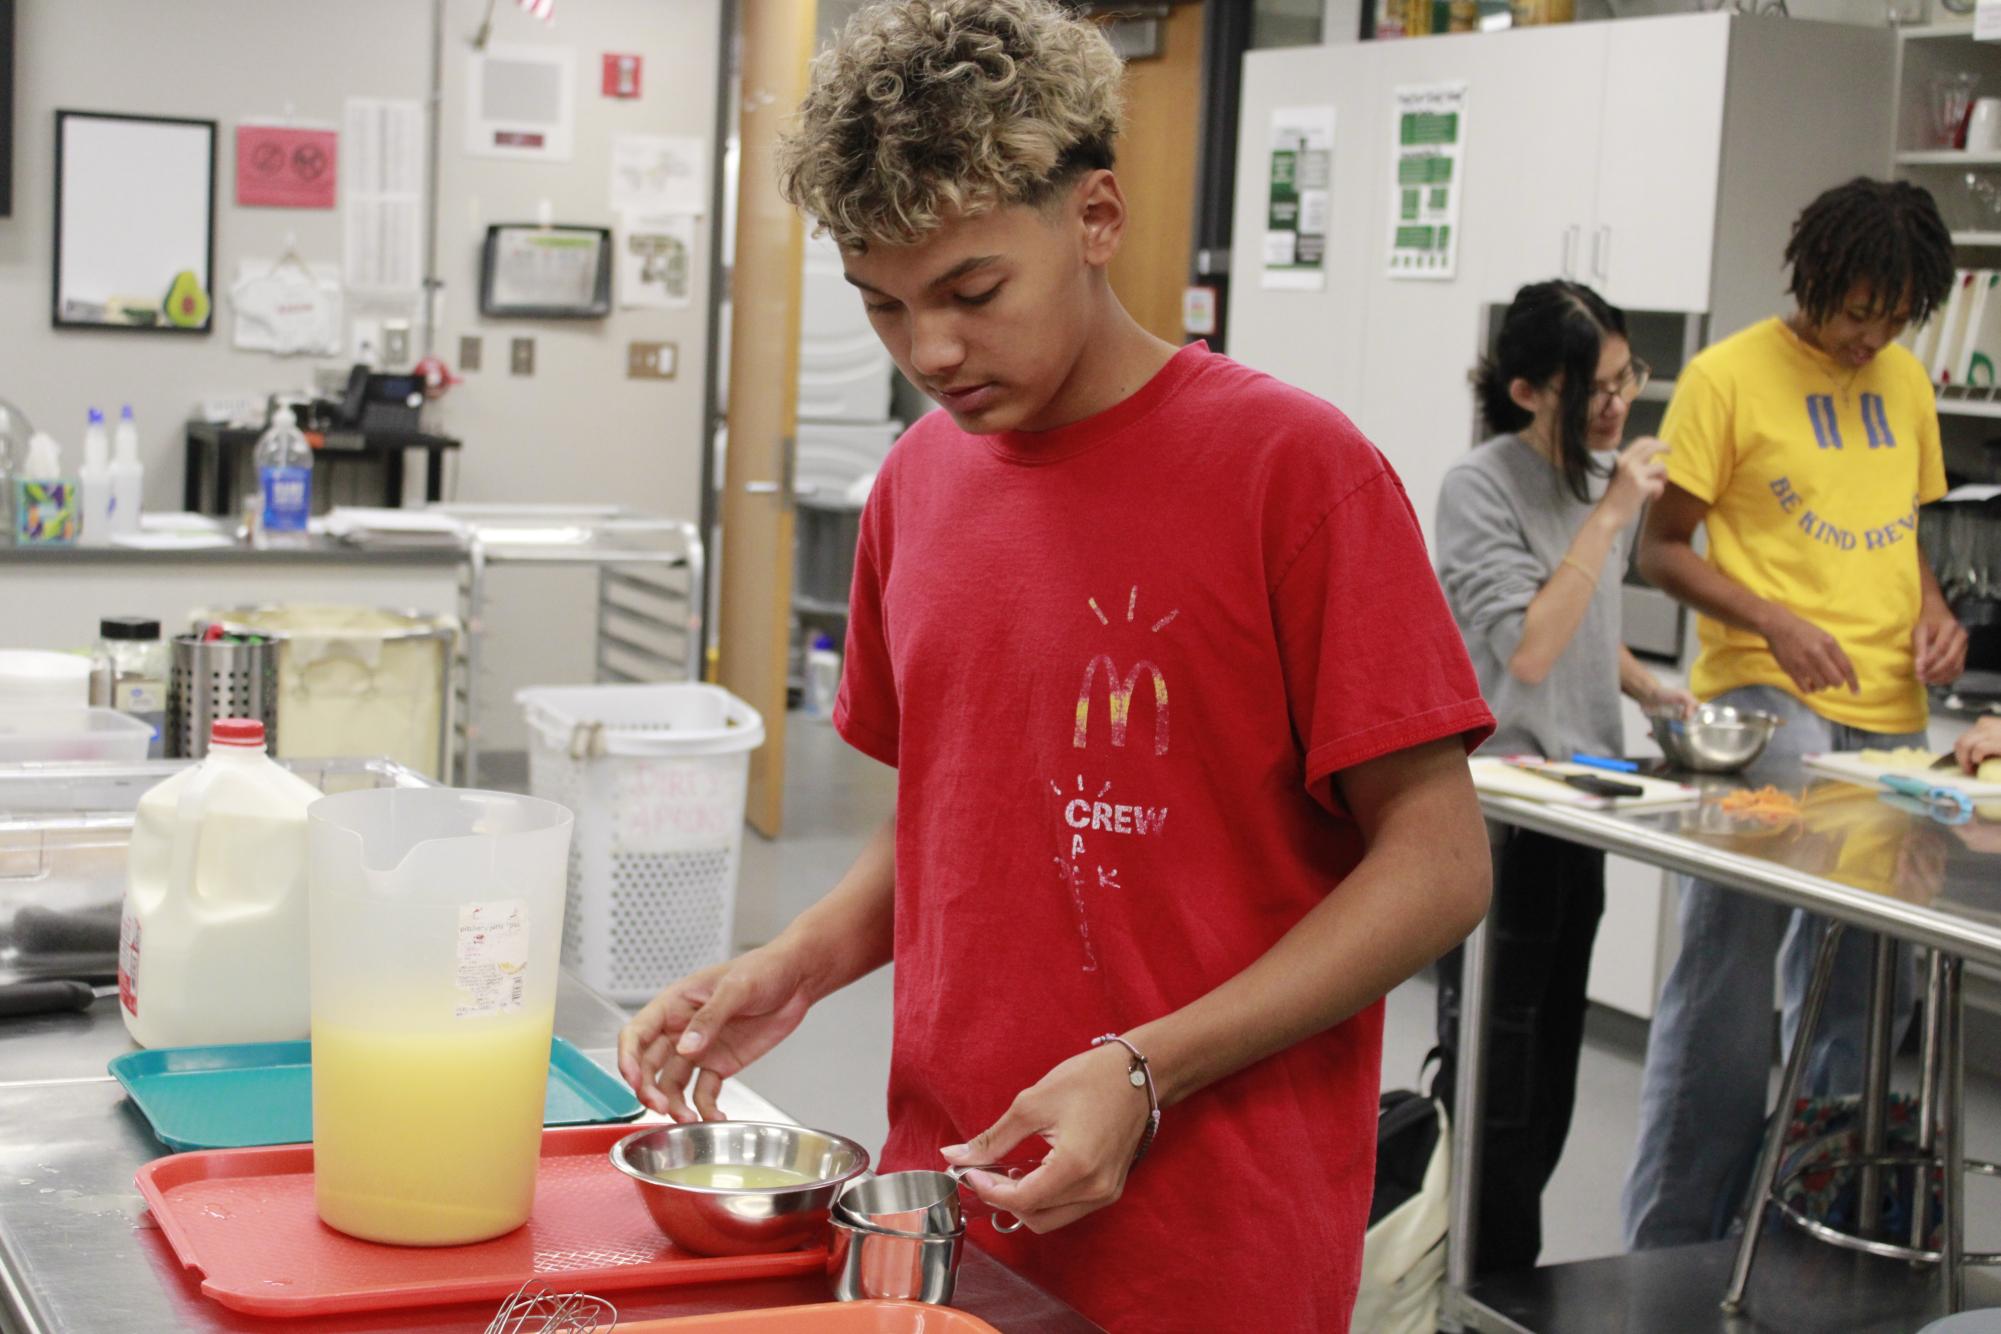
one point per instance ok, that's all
(1715, 739)
(712, 1220)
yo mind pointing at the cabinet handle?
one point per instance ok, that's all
(1570, 235)
(1601, 253)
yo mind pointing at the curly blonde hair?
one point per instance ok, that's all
(926, 109)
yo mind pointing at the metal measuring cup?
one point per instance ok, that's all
(919, 1203)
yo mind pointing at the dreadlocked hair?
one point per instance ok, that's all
(1885, 236)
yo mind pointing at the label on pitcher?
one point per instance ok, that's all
(492, 972)
(128, 963)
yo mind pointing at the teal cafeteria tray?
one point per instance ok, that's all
(254, 1093)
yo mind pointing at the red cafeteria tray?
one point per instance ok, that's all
(833, 1318)
(245, 1220)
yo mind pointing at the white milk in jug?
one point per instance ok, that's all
(212, 947)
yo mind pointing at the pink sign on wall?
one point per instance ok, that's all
(281, 167)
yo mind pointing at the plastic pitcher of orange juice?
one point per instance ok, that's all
(436, 917)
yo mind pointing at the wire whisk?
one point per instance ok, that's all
(534, 1309)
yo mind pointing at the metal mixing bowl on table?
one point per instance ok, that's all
(739, 1220)
(1714, 739)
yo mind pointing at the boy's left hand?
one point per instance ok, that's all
(1939, 645)
(1090, 1115)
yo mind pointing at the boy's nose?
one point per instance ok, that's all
(935, 350)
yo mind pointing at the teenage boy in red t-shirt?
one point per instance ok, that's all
(1178, 713)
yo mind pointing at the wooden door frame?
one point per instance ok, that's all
(754, 630)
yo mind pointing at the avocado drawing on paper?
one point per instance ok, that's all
(186, 305)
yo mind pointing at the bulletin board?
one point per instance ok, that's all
(135, 222)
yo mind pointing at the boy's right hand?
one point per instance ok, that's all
(716, 1021)
(1641, 476)
(1808, 654)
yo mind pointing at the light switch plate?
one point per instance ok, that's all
(365, 341)
(469, 352)
(396, 343)
(651, 361)
(521, 357)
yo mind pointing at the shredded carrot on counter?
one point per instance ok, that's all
(1766, 801)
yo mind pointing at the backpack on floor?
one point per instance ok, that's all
(1403, 1256)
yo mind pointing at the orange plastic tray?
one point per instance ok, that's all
(244, 1219)
(833, 1318)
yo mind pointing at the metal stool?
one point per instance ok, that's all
(1941, 1143)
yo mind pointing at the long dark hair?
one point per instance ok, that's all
(1552, 329)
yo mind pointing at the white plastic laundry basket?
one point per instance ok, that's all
(657, 776)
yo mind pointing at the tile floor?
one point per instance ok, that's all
(834, 1068)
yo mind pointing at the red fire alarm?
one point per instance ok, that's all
(621, 75)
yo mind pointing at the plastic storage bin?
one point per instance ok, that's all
(66, 735)
(32, 679)
(64, 834)
(657, 776)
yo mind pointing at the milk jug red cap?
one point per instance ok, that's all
(237, 732)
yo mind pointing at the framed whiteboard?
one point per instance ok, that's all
(135, 222)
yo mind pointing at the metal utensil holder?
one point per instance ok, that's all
(219, 679)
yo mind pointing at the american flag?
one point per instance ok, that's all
(541, 9)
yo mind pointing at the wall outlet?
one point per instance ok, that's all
(651, 361)
(521, 356)
(469, 351)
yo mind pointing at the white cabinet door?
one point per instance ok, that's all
(1659, 157)
(1532, 155)
(1311, 339)
(1423, 335)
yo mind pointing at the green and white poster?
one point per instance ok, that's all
(1428, 171)
(1299, 201)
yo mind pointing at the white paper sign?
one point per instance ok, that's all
(661, 173)
(287, 307)
(382, 175)
(1299, 198)
(1427, 175)
(656, 260)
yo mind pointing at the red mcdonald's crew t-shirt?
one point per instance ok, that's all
(1115, 664)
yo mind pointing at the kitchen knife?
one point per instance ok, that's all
(1591, 783)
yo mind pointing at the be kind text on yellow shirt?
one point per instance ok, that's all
(1813, 473)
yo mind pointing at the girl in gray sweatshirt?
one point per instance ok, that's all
(1532, 533)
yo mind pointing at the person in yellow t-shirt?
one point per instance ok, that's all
(1804, 446)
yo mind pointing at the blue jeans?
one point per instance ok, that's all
(1709, 1058)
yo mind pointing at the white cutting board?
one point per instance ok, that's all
(1858, 770)
(1500, 779)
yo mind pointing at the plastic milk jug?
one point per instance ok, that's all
(437, 917)
(212, 946)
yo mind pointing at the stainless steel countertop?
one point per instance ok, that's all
(1849, 854)
(78, 1250)
(316, 551)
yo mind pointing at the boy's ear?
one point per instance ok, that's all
(1101, 210)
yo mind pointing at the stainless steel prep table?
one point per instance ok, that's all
(1850, 856)
(78, 1251)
